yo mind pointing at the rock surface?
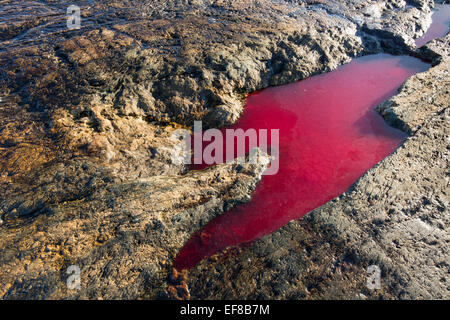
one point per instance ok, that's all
(86, 175)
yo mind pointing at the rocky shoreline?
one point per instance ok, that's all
(394, 217)
(85, 168)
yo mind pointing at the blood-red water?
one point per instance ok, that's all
(330, 135)
(439, 27)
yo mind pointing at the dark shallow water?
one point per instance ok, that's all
(330, 135)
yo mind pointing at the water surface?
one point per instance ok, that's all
(439, 27)
(330, 135)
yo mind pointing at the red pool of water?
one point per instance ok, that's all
(330, 135)
(439, 27)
